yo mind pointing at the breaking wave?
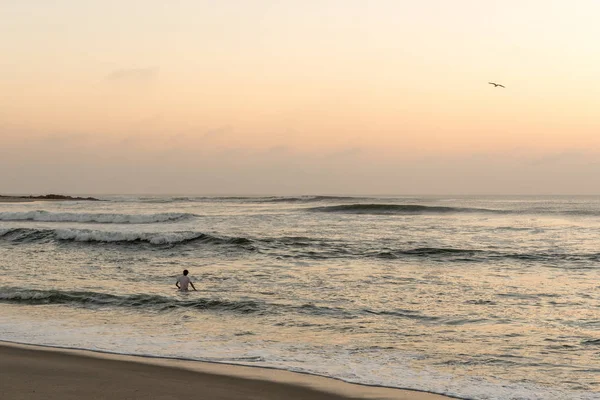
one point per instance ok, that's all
(103, 218)
(89, 235)
(292, 247)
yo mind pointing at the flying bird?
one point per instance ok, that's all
(496, 84)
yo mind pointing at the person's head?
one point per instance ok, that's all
(185, 272)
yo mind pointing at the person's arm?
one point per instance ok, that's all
(177, 284)
(193, 287)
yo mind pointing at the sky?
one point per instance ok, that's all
(299, 97)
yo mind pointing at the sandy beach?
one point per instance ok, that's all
(33, 372)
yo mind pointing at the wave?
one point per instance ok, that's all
(183, 301)
(305, 199)
(415, 209)
(28, 235)
(292, 247)
(430, 251)
(103, 218)
(39, 297)
(155, 302)
(236, 199)
(399, 209)
(475, 255)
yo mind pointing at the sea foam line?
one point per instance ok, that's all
(103, 218)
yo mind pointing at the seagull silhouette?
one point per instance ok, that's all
(496, 84)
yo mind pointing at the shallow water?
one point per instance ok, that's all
(480, 298)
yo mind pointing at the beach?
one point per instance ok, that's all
(34, 372)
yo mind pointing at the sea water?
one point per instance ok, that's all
(474, 297)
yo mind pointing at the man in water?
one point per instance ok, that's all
(183, 281)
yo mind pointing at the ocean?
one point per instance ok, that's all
(473, 297)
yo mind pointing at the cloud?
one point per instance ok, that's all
(133, 74)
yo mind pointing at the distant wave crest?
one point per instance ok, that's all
(304, 199)
(237, 199)
(104, 218)
(398, 209)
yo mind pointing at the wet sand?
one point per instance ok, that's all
(34, 372)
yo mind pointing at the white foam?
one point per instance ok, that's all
(369, 368)
(86, 235)
(104, 218)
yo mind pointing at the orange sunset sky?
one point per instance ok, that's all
(300, 97)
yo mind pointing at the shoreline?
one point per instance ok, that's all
(63, 373)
